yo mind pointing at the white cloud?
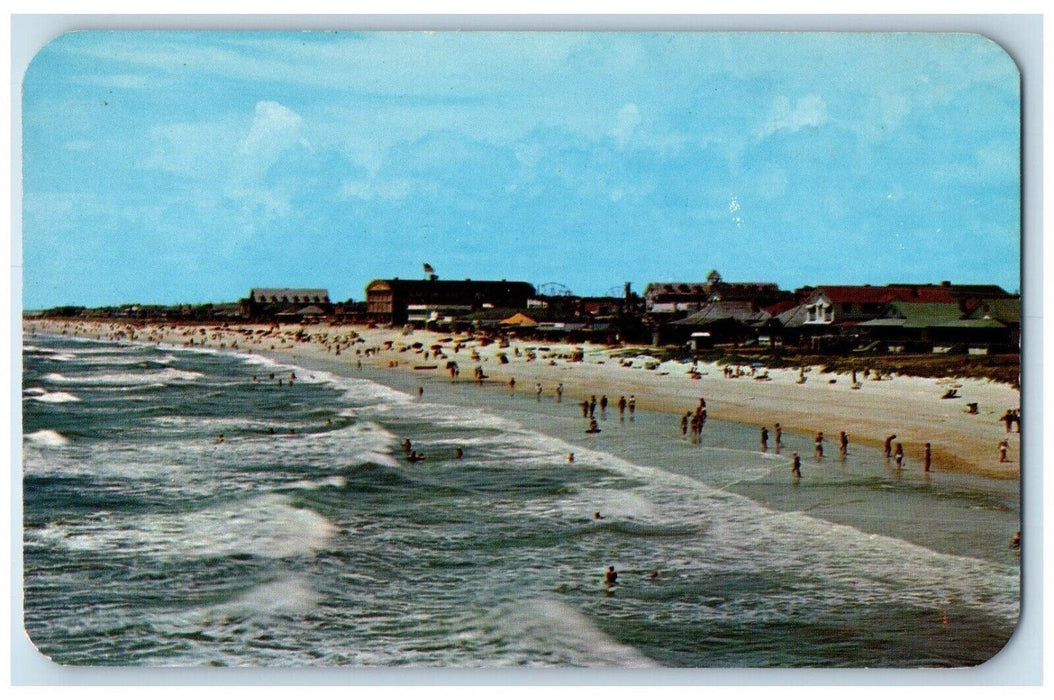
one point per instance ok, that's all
(625, 123)
(275, 129)
(810, 110)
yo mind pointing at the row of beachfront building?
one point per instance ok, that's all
(941, 317)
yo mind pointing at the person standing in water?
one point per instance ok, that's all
(926, 458)
(898, 455)
(632, 404)
(684, 423)
(621, 407)
(560, 392)
(779, 436)
(796, 466)
(611, 577)
(887, 446)
(764, 439)
(843, 440)
(819, 445)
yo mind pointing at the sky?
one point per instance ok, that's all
(188, 167)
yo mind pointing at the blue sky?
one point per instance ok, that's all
(167, 167)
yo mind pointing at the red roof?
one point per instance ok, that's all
(779, 307)
(853, 294)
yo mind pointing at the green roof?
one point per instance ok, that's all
(973, 323)
(1005, 310)
(918, 315)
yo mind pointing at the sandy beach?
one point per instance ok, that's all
(909, 407)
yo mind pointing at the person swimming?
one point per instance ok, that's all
(611, 577)
(597, 516)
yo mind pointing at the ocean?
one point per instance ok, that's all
(306, 539)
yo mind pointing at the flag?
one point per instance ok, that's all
(429, 269)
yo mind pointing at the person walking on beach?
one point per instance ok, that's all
(926, 458)
(796, 466)
(764, 439)
(1004, 447)
(843, 440)
(887, 446)
(898, 455)
(819, 446)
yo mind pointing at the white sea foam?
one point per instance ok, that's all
(47, 438)
(54, 397)
(286, 596)
(552, 626)
(266, 526)
(168, 375)
(335, 481)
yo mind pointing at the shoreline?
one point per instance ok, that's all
(909, 407)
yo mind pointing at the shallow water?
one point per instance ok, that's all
(147, 543)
